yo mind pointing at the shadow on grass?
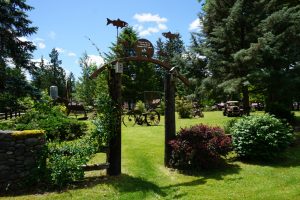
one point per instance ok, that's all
(289, 158)
(216, 173)
(130, 184)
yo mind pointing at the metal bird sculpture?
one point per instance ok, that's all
(118, 23)
(170, 35)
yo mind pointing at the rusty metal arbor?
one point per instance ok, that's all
(143, 53)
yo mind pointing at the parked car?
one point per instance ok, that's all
(233, 109)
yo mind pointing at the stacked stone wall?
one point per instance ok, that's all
(20, 157)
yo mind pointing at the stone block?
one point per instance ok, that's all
(31, 141)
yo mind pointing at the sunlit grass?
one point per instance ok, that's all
(145, 177)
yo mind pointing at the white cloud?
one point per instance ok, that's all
(155, 23)
(148, 17)
(52, 35)
(196, 25)
(42, 45)
(149, 31)
(72, 54)
(95, 59)
(59, 50)
(162, 27)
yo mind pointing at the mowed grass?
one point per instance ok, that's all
(145, 177)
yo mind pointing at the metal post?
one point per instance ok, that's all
(170, 125)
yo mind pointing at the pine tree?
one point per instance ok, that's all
(14, 26)
(253, 43)
(56, 74)
(137, 76)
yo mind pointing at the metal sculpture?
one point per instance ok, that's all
(118, 23)
(170, 35)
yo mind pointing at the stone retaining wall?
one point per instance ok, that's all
(20, 155)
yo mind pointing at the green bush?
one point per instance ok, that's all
(184, 108)
(65, 160)
(140, 106)
(51, 119)
(229, 124)
(199, 146)
(161, 108)
(260, 137)
(7, 125)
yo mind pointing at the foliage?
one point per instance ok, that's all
(137, 76)
(229, 124)
(199, 146)
(260, 137)
(17, 89)
(140, 106)
(252, 44)
(14, 25)
(51, 119)
(85, 86)
(106, 120)
(161, 108)
(183, 107)
(45, 75)
(7, 125)
(65, 160)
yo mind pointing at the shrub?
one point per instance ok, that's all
(161, 108)
(199, 146)
(184, 108)
(260, 137)
(140, 106)
(51, 119)
(65, 160)
(6, 125)
(229, 124)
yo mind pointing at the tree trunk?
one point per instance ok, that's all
(246, 104)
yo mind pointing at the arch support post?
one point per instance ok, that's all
(170, 125)
(114, 153)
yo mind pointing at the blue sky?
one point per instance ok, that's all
(64, 24)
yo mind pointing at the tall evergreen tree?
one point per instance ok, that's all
(45, 75)
(138, 76)
(247, 41)
(14, 26)
(172, 52)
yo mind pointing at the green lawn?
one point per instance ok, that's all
(145, 177)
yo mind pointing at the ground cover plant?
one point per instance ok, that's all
(145, 177)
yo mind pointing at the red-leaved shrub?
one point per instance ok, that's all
(199, 146)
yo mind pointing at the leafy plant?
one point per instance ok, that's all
(105, 121)
(260, 137)
(199, 146)
(183, 108)
(51, 119)
(140, 106)
(161, 108)
(229, 125)
(65, 160)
